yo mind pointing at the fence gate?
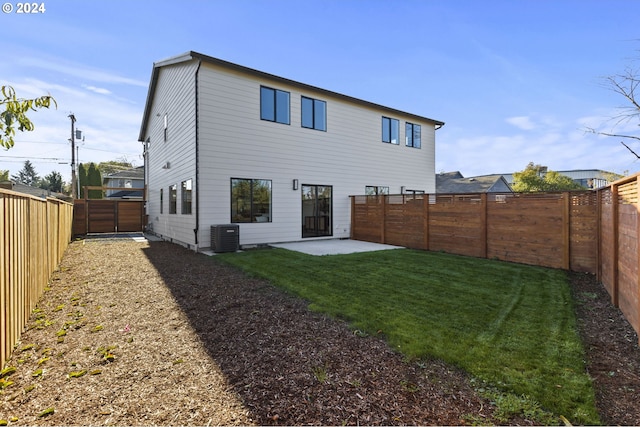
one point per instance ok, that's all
(107, 216)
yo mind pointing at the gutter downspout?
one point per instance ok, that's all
(197, 186)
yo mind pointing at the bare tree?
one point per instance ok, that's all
(625, 84)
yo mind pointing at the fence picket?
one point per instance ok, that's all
(34, 232)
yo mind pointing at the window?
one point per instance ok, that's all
(390, 130)
(166, 127)
(186, 197)
(161, 199)
(173, 198)
(250, 200)
(314, 114)
(274, 105)
(371, 190)
(412, 135)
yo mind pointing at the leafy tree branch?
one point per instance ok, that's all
(15, 114)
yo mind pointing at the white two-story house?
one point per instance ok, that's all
(227, 144)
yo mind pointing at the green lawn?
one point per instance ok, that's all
(511, 326)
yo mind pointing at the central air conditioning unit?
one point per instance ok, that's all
(225, 237)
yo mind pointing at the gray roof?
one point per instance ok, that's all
(454, 182)
(33, 191)
(191, 55)
(135, 173)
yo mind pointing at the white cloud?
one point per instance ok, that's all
(99, 90)
(78, 71)
(521, 122)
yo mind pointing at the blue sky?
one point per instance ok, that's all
(515, 81)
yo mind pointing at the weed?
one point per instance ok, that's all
(320, 372)
(4, 383)
(46, 412)
(77, 374)
(9, 370)
(27, 347)
(409, 386)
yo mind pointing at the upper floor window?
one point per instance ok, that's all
(173, 199)
(314, 114)
(274, 105)
(371, 190)
(412, 135)
(250, 200)
(390, 130)
(186, 197)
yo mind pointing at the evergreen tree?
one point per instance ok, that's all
(82, 179)
(27, 175)
(4, 175)
(52, 182)
(94, 179)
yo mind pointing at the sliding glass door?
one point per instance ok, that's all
(317, 207)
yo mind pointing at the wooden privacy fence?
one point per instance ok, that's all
(35, 233)
(551, 229)
(618, 246)
(594, 231)
(108, 215)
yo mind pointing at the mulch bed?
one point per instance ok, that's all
(150, 333)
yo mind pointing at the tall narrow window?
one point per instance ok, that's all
(274, 105)
(412, 135)
(390, 130)
(186, 197)
(161, 199)
(165, 127)
(314, 113)
(173, 199)
(250, 200)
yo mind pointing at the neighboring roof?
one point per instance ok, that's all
(454, 182)
(191, 55)
(126, 194)
(135, 173)
(33, 191)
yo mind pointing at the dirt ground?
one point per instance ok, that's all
(150, 333)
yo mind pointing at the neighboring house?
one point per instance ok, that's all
(34, 191)
(454, 182)
(130, 178)
(588, 178)
(229, 144)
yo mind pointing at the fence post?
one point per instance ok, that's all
(425, 222)
(383, 218)
(566, 230)
(483, 219)
(353, 216)
(616, 231)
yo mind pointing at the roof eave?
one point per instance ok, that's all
(188, 56)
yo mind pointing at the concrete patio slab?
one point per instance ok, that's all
(333, 246)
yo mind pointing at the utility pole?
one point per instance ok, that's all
(74, 190)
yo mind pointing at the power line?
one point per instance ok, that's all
(30, 157)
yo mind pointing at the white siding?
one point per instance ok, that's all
(350, 155)
(175, 97)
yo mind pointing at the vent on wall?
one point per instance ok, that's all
(225, 237)
(166, 166)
